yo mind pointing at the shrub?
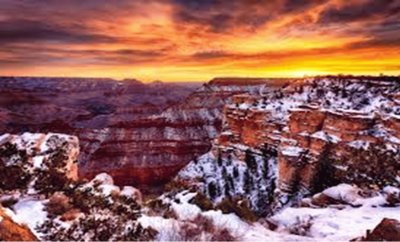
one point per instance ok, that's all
(212, 190)
(250, 161)
(203, 228)
(14, 168)
(8, 203)
(374, 166)
(105, 218)
(202, 201)
(238, 207)
(219, 159)
(158, 208)
(97, 228)
(58, 204)
(235, 172)
(223, 235)
(176, 186)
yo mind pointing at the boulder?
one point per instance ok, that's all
(387, 230)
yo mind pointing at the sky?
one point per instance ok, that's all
(193, 40)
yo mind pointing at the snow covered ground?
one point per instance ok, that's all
(168, 228)
(343, 222)
(333, 223)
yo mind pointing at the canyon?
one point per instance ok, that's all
(142, 134)
(293, 155)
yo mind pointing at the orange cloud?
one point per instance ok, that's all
(180, 40)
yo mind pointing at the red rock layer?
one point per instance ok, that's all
(154, 149)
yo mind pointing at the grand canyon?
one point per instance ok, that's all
(170, 120)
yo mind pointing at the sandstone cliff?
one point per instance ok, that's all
(309, 135)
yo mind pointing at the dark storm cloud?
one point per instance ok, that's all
(378, 21)
(21, 30)
(41, 32)
(25, 55)
(223, 15)
(355, 11)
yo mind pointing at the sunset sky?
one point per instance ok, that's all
(182, 40)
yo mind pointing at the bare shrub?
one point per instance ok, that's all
(238, 207)
(202, 228)
(58, 204)
(302, 226)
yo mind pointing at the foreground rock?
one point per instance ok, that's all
(12, 231)
(387, 230)
(39, 187)
(26, 155)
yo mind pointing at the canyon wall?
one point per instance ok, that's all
(312, 134)
(153, 149)
(85, 107)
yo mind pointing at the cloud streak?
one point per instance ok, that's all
(198, 39)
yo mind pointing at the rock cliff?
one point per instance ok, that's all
(24, 158)
(302, 138)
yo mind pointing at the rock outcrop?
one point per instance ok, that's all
(13, 231)
(26, 158)
(387, 230)
(312, 134)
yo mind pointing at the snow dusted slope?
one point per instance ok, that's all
(346, 213)
(348, 216)
(224, 176)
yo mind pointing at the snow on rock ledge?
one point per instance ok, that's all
(11, 230)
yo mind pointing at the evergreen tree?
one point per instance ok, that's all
(212, 190)
(219, 159)
(235, 172)
(250, 161)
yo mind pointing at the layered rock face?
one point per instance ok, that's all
(91, 109)
(140, 134)
(313, 133)
(152, 150)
